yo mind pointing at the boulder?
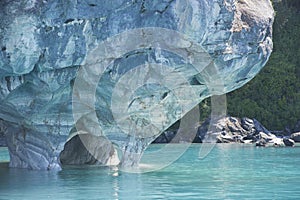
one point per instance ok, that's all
(248, 124)
(261, 143)
(288, 142)
(126, 70)
(259, 127)
(268, 140)
(231, 129)
(265, 136)
(227, 129)
(234, 130)
(228, 139)
(296, 137)
(274, 142)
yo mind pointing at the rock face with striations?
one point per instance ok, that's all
(296, 137)
(43, 44)
(235, 130)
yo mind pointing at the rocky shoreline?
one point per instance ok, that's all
(226, 130)
(233, 130)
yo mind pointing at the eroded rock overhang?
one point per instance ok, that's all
(45, 43)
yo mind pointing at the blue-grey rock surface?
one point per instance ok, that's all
(45, 44)
(235, 130)
(2, 136)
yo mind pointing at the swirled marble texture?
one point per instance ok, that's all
(44, 43)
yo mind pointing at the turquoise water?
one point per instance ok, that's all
(228, 172)
(4, 155)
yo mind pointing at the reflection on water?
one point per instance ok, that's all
(228, 172)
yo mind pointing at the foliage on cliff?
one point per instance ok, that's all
(273, 96)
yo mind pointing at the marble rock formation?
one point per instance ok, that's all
(76, 152)
(288, 142)
(2, 136)
(53, 83)
(235, 130)
(295, 137)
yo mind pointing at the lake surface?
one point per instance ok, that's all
(229, 171)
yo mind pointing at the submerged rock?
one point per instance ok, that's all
(51, 77)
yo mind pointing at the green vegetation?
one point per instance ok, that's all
(273, 96)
